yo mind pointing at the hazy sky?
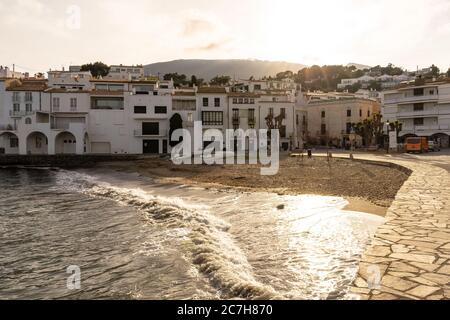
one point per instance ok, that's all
(40, 34)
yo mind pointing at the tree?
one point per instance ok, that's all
(196, 81)
(178, 79)
(176, 122)
(435, 72)
(97, 69)
(369, 129)
(220, 81)
(284, 75)
(397, 126)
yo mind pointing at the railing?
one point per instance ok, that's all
(408, 99)
(426, 128)
(8, 127)
(20, 113)
(421, 113)
(139, 133)
(251, 121)
(236, 120)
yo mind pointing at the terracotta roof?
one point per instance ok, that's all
(212, 90)
(28, 85)
(184, 93)
(60, 90)
(244, 94)
(106, 93)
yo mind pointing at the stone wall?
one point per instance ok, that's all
(64, 161)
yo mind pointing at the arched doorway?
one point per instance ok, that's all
(442, 138)
(37, 143)
(65, 143)
(9, 143)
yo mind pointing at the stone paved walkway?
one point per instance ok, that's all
(409, 257)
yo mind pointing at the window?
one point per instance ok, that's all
(14, 142)
(418, 106)
(257, 87)
(241, 100)
(271, 111)
(349, 113)
(418, 121)
(216, 102)
(368, 113)
(73, 104)
(246, 100)
(360, 112)
(323, 114)
(140, 109)
(348, 128)
(283, 131)
(16, 97)
(28, 96)
(235, 100)
(16, 107)
(323, 129)
(205, 102)
(150, 128)
(107, 103)
(297, 120)
(235, 115)
(304, 120)
(190, 117)
(251, 118)
(418, 92)
(431, 92)
(212, 118)
(28, 108)
(184, 105)
(28, 121)
(160, 110)
(55, 104)
(252, 101)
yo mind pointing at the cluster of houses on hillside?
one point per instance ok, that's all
(71, 112)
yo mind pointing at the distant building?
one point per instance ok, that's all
(126, 72)
(330, 121)
(6, 72)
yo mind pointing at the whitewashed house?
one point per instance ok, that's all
(423, 109)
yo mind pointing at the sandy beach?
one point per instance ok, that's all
(367, 187)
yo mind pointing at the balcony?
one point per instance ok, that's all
(20, 114)
(413, 99)
(236, 120)
(8, 127)
(425, 129)
(418, 114)
(139, 133)
(251, 121)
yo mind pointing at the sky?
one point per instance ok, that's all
(38, 35)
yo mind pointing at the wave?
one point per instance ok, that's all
(211, 247)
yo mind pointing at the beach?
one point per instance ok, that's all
(368, 187)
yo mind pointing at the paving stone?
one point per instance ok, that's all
(414, 257)
(423, 291)
(397, 283)
(437, 278)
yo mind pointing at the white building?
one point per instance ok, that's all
(424, 110)
(125, 72)
(71, 113)
(6, 72)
